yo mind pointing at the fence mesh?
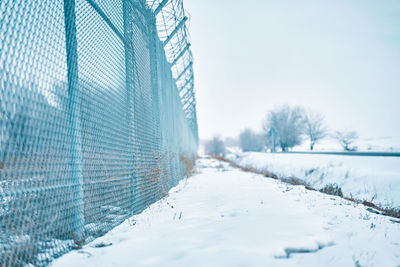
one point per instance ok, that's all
(97, 118)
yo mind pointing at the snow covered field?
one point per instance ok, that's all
(377, 144)
(375, 179)
(225, 217)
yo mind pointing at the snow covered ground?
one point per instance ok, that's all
(225, 217)
(377, 144)
(375, 179)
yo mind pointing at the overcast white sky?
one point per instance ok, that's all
(340, 58)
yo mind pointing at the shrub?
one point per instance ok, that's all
(332, 189)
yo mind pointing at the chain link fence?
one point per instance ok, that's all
(97, 118)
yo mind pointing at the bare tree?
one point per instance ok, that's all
(231, 142)
(314, 128)
(272, 141)
(215, 147)
(251, 141)
(346, 139)
(288, 123)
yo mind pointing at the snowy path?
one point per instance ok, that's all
(225, 217)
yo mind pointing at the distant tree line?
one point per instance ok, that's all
(215, 147)
(285, 127)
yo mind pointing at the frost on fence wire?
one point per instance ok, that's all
(97, 118)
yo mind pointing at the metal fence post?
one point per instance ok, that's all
(155, 91)
(129, 80)
(74, 104)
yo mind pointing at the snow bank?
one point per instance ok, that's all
(375, 179)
